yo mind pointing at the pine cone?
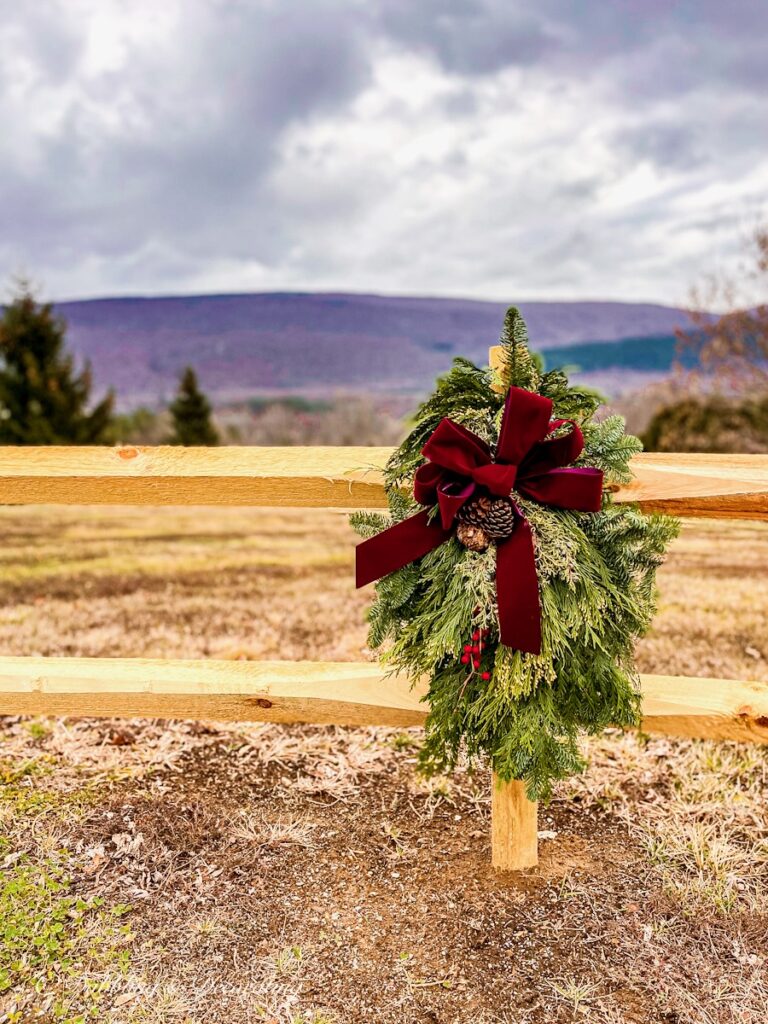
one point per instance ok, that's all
(495, 516)
(472, 537)
(501, 519)
(475, 511)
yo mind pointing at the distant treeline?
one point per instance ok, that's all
(650, 353)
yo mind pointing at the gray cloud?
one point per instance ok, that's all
(471, 38)
(484, 147)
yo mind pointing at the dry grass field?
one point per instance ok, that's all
(171, 872)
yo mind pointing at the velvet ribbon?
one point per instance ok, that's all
(530, 461)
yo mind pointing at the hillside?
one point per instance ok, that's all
(266, 343)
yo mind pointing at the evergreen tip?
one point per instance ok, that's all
(519, 368)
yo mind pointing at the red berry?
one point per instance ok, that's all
(467, 648)
(476, 635)
(485, 676)
(475, 649)
(476, 663)
(465, 659)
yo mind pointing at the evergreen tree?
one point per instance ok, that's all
(42, 399)
(191, 413)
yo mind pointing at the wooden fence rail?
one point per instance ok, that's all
(715, 486)
(339, 693)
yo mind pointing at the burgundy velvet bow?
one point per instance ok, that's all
(529, 461)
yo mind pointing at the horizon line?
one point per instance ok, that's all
(335, 293)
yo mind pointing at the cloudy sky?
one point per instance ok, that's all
(487, 148)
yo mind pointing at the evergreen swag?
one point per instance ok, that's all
(597, 590)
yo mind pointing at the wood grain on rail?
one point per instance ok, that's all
(315, 477)
(708, 709)
(732, 486)
(340, 693)
(711, 486)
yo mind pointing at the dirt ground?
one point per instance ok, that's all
(159, 872)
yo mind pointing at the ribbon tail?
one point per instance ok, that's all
(517, 591)
(397, 546)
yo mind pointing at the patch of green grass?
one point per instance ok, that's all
(12, 772)
(20, 795)
(288, 960)
(37, 730)
(59, 953)
(56, 948)
(404, 741)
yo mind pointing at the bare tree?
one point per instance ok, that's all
(731, 349)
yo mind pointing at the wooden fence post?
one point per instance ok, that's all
(514, 818)
(514, 827)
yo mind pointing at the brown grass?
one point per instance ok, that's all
(308, 874)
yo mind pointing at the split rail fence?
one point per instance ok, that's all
(341, 693)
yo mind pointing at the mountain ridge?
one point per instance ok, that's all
(250, 343)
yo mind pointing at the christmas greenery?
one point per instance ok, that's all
(596, 574)
(42, 399)
(191, 414)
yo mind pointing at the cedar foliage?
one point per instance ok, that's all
(42, 399)
(191, 414)
(597, 591)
